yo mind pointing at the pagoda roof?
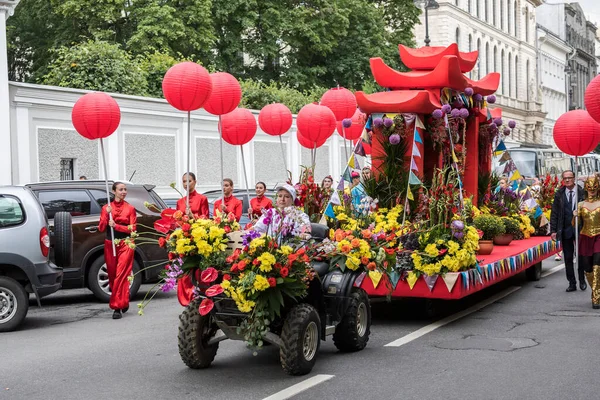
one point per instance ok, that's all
(398, 101)
(486, 85)
(428, 58)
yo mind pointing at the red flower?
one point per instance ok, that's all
(161, 242)
(272, 282)
(205, 306)
(234, 268)
(226, 277)
(256, 261)
(284, 272)
(209, 275)
(185, 227)
(230, 217)
(442, 252)
(164, 225)
(214, 290)
(242, 265)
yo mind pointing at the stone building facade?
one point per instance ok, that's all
(504, 33)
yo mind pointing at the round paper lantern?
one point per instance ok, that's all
(576, 133)
(357, 127)
(592, 98)
(226, 94)
(315, 122)
(96, 115)
(304, 142)
(341, 101)
(275, 119)
(238, 127)
(187, 86)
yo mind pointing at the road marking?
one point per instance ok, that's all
(552, 270)
(299, 387)
(444, 321)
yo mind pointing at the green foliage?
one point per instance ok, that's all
(258, 94)
(154, 66)
(490, 225)
(511, 226)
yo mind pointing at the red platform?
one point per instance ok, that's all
(504, 262)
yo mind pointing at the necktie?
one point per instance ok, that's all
(571, 199)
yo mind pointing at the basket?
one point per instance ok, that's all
(235, 241)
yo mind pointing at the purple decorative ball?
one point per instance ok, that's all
(464, 113)
(506, 131)
(458, 225)
(395, 138)
(347, 122)
(469, 91)
(493, 129)
(455, 113)
(498, 121)
(478, 97)
(378, 122)
(512, 124)
(446, 108)
(387, 122)
(437, 114)
(491, 99)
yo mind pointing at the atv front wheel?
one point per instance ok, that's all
(195, 331)
(301, 338)
(352, 334)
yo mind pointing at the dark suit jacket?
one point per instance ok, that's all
(557, 216)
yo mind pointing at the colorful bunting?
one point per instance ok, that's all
(516, 175)
(413, 165)
(419, 123)
(412, 179)
(409, 193)
(415, 150)
(359, 149)
(329, 211)
(351, 161)
(417, 137)
(430, 281)
(375, 278)
(394, 278)
(335, 198)
(340, 185)
(411, 279)
(450, 279)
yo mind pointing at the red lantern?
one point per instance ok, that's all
(275, 119)
(576, 133)
(341, 101)
(96, 115)
(238, 127)
(226, 94)
(304, 142)
(187, 86)
(316, 123)
(592, 98)
(356, 130)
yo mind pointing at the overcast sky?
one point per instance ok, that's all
(590, 7)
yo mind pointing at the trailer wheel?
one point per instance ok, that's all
(195, 331)
(352, 334)
(301, 337)
(534, 273)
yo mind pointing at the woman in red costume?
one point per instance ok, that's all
(198, 202)
(118, 267)
(260, 202)
(232, 204)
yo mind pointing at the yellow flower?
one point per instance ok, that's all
(352, 263)
(260, 283)
(266, 261)
(431, 250)
(453, 247)
(286, 250)
(225, 284)
(245, 306)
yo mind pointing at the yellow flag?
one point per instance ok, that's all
(409, 194)
(375, 277)
(454, 158)
(411, 279)
(516, 175)
(351, 161)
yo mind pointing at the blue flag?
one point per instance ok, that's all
(413, 180)
(417, 137)
(329, 211)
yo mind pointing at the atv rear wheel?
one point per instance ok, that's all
(352, 334)
(301, 338)
(195, 331)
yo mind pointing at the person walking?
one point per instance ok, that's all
(118, 267)
(589, 238)
(562, 230)
(198, 202)
(260, 202)
(230, 204)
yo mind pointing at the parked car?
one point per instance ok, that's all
(25, 265)
(84, 200)
(242, 194)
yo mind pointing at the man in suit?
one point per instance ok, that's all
(562, 229)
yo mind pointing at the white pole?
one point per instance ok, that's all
(577, 212)
(345, 143)
(245, 176)
(222, 173)
(6, 168)
(112, 230)
(189, 157)
(285, 165)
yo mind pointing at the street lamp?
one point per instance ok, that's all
(428, 5)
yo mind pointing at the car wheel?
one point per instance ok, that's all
(98, 280)
(14, 304)
(63, 243)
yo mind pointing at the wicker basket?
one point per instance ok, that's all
(235, 241)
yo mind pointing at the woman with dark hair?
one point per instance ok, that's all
(231, 204)
(198, 202)
(123, 223)
(260, 202)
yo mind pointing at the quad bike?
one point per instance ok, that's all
(334, 305)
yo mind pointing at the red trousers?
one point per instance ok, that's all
(118, 268)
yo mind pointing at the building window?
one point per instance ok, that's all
(470, 42)
(458, 37)
(517, 77)
(526, 24)
(516, 16)
(487, 58)
(502, 14)
(510, 80)
(527, 78)
(508, 17)
(477, 8)
(502, 78)
(485, 10)
(478, 58)
(494, 13)
(66, 169)
(469, 6)
(495, 59)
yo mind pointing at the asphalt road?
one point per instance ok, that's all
(533, 341)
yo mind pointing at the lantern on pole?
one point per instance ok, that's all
(592, 98)
(343, 104)
(316, 124)
(275, 120)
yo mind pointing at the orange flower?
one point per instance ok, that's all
(371, 266)
(339, 235)
(346, 248)
(355, 243)
(367, 234)
(364, 260)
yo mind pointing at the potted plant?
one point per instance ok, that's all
(491, 226)
(511, 228)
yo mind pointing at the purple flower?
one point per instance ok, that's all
(506, 131)
(491, 99)
(251, 235)
(446, 108)
(347, 122)
(455, 113)
(168, 285)
(478, 97)
(469, 91)
(458, 234)
(378, 122)
(512, 124)
(437, 114)
(498, 121)
(395, 138)
(387, 122)
(458, 225)
(464, 113)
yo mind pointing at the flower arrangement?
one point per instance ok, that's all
(548, 187)
(527, 229)
(511, 226)
(503, 203)
(490, 225)
(443, 197)
(310, 196)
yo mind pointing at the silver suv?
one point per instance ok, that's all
(24, 253)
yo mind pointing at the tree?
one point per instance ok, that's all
(154, 66)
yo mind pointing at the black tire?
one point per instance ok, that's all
(63, 239)
(14, 304)
(534, 273)
(98, 280)
(301, 327)
(352, 334)
(195, 331)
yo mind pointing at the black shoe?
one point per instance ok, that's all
(127, 308)
(582, 285)
(596, 306)
(117, 314)
(572, 288)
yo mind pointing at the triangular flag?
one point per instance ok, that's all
(409, 193)
(516, 175)
(356, 164)
(538, 212)
(430, 281)
(412, 179)
(323, 220)
(329, 211)
(347, 177)
(359, 149)
(415, 150)
(454, 158)
(340, 185)
(419, 123)
(543, 220)
(351, 161)
(375, 277)
(505, 157)
(523, 186)
(413, 164)
(526, 194)
(335, 198)
(501, 147)
(489, 115)
(394, 278)
(411, 279)
(417, 137)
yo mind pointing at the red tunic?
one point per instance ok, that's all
(258, 204)
(232, 205)
(198, 204)
(124, 216)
